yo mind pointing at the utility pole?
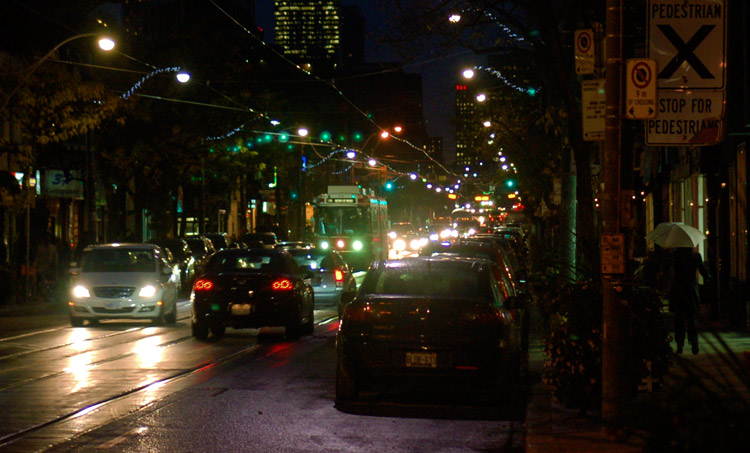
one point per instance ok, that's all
(616, 362)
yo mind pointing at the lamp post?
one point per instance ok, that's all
(105, 44)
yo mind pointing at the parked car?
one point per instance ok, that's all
(184, 256)
(202, 249)
(251, 288)
(123, 281)
(266, 239)
(425, 319)
(219, 240)
(332, 276)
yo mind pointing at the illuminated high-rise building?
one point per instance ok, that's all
(308, 30)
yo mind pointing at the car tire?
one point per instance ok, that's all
(347, 387)
(172, 317)
(309, 327)
(200, 330)
(218, 330)
(76, 321)
(161, 319)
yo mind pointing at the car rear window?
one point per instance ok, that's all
(249, 262)
(118, 259)
(430, 281)
(312, 260)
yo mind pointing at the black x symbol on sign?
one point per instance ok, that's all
(685, 51)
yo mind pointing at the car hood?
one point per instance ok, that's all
(135, 279)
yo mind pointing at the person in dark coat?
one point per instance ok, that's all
(684, 296)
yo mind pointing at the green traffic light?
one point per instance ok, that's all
(325, 136)
(357, 136)
(388, 185)
(510, 183)
(531, 92)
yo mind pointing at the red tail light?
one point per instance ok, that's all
(203, 285)
(283, 284)
(339, 276)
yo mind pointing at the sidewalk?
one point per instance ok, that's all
(551, 428)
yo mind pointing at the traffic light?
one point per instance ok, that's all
(510, 183)
(389, 185)
(357, 136)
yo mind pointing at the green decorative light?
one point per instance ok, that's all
(357, 136)
(325, 136)
(283, 137)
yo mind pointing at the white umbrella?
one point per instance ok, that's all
(675, 234)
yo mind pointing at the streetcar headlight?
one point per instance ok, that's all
(81, 292)
(357, 245)
(399, 245)
(340, 244)
(324, 245)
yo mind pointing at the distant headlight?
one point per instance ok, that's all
(392, 234)
(399, 245)
(446, 234)
(81, 292)
(472, 231)
(415, 244)
(434, 237)
(324, 245)
(357, 245)
(147, 291)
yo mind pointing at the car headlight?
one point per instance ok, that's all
(392, 234)
(434, 237)
(81, 292)
(415, 244)
(399, 244)
(147, 291)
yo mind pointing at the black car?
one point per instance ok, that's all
(252, 288)
(202, 249)
(184, 256)
(428, 318)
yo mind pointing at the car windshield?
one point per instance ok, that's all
(118, 260)
(433, 279)
(312, 259)
(244, 262)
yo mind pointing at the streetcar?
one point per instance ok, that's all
(353, 221)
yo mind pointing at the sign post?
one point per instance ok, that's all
(593, 102)
(640, 89)
(584, 51)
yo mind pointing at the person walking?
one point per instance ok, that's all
(46, 267)
(684, 296)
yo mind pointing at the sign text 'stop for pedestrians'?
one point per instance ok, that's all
(687, 40)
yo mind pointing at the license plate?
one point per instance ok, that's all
(242, 309)
(421, 359)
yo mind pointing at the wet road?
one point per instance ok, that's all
(135, 387)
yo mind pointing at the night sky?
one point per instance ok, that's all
(439, 76)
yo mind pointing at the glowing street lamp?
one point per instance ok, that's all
(468, 73)
(303, 132)
(454, 18)
(481, 97)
